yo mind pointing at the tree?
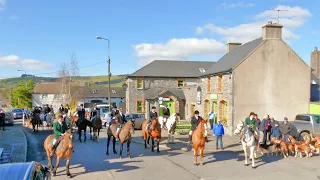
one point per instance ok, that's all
(67, 75)
(21, 96)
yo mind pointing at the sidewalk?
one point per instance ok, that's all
(14, 137)
(230, 143)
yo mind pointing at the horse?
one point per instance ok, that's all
(63, 150)
(124, 137)
(36, 122)
(199, 140)
(95, 127)
(82, 125)
(155, 133)
(170, 124)
(110, 134)
(248, 141)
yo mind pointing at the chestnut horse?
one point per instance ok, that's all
(199, 140)
(64, 150)
(155, 132)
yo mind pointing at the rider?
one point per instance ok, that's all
(93, 113)
(59, 129)
(166, 114)
(153, 114)
(194, 124)
(114, 112)
(120, 119)
(252, 124)
(81, 113)
(61, 109)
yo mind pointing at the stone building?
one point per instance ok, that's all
(176, 83)
(315, 76)
(264, 76)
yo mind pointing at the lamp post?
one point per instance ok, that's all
(109, 73)
(25, 75)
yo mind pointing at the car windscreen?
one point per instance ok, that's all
(17, 110)
(104, 110)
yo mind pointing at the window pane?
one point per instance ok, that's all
(302, 118)
(139, 106)
(180, 83)
(139, 83)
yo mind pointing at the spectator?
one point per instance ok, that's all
(265, 129)
(218, 131)
(211, 119)
(285, 129)
(275, 131)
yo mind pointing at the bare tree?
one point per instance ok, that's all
(64, 75)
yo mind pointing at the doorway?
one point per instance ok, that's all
(170, 107)
(206, 109)
(215, 110)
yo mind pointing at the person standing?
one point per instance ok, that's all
(285, 129)
(211, 119)
(166, 115)
(218, 131)
(61, 109)
(2, 116)
(194, 124)
(275, 131)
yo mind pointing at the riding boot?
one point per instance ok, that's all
(54, 147)
(117, 132)
(190, 139)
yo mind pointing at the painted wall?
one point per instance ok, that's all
(51, 99)
(274, 81)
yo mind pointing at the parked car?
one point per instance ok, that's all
(8, 119)
(105, 118)
(103, 106)
(17, 113)
(137, 118)
(24, 171)
(306, 126)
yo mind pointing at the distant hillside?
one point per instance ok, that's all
(116, 81)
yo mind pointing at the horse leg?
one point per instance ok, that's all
(172, 137)
(195, 153)
(158, 142)
(108, 143)
(68, 168)
(245, 155)
(98, 135)
(85, 134)
(56, 167)
(121, 148)
(50, 166)
(128, 149)
(252, 155)
(201, 155)
(152, 142)
(148, 140)
(114, 145)
(79, 133)
(169, 137)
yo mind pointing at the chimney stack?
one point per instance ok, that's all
(232, 45)
(272, 31)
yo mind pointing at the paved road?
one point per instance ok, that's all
(90, 161)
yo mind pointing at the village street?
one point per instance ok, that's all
(90, 162)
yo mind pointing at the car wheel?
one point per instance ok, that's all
(304, 136)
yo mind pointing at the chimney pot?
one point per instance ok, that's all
(272, 31)
(232, 45)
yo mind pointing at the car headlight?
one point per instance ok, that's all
(14, 114)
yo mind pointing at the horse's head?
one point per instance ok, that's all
(68, 138)
(155, 124)
(130, 125)
(239, 128)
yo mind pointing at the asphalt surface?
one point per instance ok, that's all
(89, 161)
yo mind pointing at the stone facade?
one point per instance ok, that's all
(182, 106)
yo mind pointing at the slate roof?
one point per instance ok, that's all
(48, 88)
(234, 57)
(98, 92)
(170, 68)
(153, 93)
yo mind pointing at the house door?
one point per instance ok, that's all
(223, 112)
(170, 107)
(192, 109)
(215, 110)
(206, 109)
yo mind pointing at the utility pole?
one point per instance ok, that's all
(109, 72)
(278, 10)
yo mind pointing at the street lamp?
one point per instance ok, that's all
(109, 73)
(25, 75)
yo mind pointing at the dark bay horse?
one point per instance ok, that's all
(64, 150)
(95, 127)
(82, 124)
(36, 122)
(111, 133)
(155, 133)
(199, 140)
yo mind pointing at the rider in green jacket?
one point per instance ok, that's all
(59, 129)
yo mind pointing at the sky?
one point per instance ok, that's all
(37, 36)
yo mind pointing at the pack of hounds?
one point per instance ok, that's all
(304, 148)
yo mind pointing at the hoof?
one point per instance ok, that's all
(246, 164)
(158, 151)
(69, 176)
(107, 153)
(201, 164)
(254, 167)
(120, 157)
(129, 157)
(115, 152)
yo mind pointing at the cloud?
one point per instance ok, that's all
(13, 61)
(13, 18)
(293, 18)
(178, 49)
(225, 5)
(2, 4)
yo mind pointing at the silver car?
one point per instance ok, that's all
(17, 113)
(8, 119)
(137, 118)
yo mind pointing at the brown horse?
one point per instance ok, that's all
(154, 133)
(198, 141)
(64, 150)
